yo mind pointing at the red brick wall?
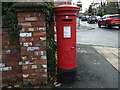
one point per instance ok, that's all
(27, 64)
(9, 65)
(32, 42)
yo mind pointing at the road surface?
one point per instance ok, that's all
(91, 34)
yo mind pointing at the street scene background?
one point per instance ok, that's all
(25, 37)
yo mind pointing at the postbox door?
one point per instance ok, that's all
(67, 44)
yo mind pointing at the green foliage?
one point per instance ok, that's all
(90, 9)
(9, 15)
(109, 8)
(50, 43)
(105, 8)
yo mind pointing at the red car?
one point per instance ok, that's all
(109, 20)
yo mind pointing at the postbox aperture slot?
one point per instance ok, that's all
(66, 20)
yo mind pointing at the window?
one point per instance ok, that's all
(116, 17)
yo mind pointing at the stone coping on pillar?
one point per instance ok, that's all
(30, 6)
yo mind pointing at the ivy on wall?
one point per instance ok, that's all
(10, 20)
(51, 45)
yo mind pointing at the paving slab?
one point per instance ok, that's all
(110, 54)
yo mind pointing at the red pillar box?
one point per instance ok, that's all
(66, 39)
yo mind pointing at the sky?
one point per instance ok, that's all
(85, 4)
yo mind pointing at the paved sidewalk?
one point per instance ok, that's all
(93, 70)
(110, 54)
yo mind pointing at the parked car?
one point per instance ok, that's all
(80, 16)
(109, 20)
(87, 16)
(84, 18)
(92, 19)
(98, 17)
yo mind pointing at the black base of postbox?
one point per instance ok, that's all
(67, 76)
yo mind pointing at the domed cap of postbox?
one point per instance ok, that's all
(66, 9)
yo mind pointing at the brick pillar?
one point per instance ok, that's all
(32, 42)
